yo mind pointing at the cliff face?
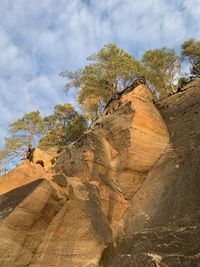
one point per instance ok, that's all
(125, 194)
(164, 219)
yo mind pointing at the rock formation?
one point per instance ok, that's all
(125, 194)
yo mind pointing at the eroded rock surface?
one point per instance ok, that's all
(21, 175)
(46, 158)
(163, 228)
(125, 194)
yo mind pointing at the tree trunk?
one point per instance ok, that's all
(29, 154)
(30, 142)
(172, 88)
(30, 150)
(194, 66)
(100, 105)
(113, 88)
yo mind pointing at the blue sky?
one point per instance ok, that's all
(39, 39)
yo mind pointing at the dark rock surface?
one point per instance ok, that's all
(60, 180)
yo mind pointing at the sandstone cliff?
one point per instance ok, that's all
(125, 194)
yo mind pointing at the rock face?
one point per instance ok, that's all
(21, 175)
(45, 158)
(163, 227)
(125, 194)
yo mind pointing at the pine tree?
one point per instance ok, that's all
(24, 133)
(111, 70)
(62, 127)
(191, 51)
(162, 68)
(29, 126)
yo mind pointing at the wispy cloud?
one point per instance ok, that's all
(39, 39)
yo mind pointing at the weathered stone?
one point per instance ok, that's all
(22, 230)
(164, 220)
(21, 175)
(60, 180)
(45, 158)
(125, 194)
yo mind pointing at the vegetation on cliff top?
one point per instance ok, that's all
(112, 69)
(109, 71)
(191, 51)
(64, 126)
(162, 68)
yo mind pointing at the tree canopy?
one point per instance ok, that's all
(14, 150)
(64, 126)
(29, 126)
(162, 68)
(110, 70)
(191, 51)
(23, 134)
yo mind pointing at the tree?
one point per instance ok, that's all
(75, 129)
(191, 51)
(24, 131)
(162, 68)
(14, 150)
(183, 81)
(111, 70)
(62, 127)
(29, 126)
(90, 105)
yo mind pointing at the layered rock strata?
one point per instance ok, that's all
(163, 228)
(124, 194)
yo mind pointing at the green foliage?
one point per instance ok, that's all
(15, 145)
(191, 51)
(23, 132)
(75, 129)
(3, 170)
(30, 126)
(62, 127)
(183, 81)
(111, 70)
(14, 149)
(162, 68)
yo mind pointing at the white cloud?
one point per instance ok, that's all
(39, 39)
(13, 60)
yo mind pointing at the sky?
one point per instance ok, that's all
(40, 39)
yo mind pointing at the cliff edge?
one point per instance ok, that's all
(125, 194)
